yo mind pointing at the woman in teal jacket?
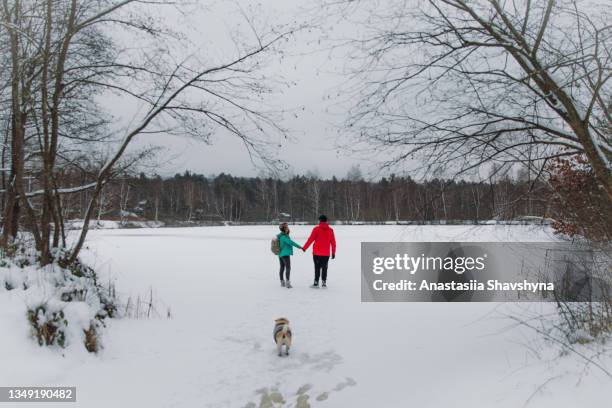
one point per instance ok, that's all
(284, 256)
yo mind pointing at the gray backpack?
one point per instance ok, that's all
(275, 246)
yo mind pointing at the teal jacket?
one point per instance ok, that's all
(286, 245)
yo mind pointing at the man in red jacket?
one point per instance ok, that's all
(323, 237)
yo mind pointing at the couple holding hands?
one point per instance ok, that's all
(324, 244)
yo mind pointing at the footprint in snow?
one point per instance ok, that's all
(349, 382)
(304, 388)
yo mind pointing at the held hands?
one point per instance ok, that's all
(303, 250)
(333, 256)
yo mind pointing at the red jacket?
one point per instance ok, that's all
(323, 237)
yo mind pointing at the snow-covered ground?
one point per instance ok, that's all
(222, 288)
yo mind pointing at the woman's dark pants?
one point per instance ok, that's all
(285, 266)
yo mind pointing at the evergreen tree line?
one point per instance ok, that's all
(197, 198)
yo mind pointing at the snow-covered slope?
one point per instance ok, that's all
(222, 288)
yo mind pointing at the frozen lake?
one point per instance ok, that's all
(221, 285)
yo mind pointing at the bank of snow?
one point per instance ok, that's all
(61, 309)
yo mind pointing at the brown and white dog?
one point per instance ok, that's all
(282, 335)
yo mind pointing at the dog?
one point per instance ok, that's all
(282, 335)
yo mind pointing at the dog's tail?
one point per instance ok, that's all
(285, 329)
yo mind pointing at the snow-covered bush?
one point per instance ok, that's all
(49, 328)
(584, 322)
(65, 306)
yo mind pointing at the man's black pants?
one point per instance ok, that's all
(320, 265)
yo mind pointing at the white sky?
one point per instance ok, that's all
(316, 75)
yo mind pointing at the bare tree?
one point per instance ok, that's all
(61, 57)
(211, 83)
(458, 83)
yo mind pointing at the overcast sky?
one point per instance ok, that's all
(316, 75)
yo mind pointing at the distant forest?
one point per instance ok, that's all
(196, 198)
